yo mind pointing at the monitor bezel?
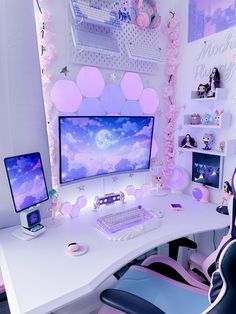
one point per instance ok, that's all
(99, 176)
(9, 182)
(220, 174)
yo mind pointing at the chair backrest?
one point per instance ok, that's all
(209, 265)
(225, 302)
(223, 284)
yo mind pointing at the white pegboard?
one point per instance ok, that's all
(129, 32)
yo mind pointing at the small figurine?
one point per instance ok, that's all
(188, 142)
(218, 113)
(208, 140)
(203, 90)
(223, 208)
(206, 119)
(214, 82)
(222, 145)
(195, 118)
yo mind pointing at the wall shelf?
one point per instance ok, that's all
(144, 53)
(230, 148)
(82, 11)
(219, 95)
(224, 122)
(103, 43)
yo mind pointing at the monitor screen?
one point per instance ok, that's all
(93, 146)
(207, 169)
(26, 179)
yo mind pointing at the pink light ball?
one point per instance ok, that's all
(65, 96)
(90, 82)
(130, 190)
(131, 85)
(149, 100)
(179, 179)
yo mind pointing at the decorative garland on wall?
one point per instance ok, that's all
(171, 31)
(48, 53)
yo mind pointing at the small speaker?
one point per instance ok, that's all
(200, 193)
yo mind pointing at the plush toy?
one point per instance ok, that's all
(218, 113)
(208, 140)
(206, 119)
(203, 90)
(195, 118)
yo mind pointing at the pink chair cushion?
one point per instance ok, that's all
(2, 288)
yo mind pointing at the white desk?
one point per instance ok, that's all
(40, 277)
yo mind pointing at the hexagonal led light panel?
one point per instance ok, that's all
(131, 85)
(91, 107)
(149, 100)
(90, 82)
(66, 96)
(131, 108)
(112, 99)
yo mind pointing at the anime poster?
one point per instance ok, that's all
(207, 17)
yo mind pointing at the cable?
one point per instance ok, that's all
(214, 239)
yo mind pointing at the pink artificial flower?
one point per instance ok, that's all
(174, 22)
(46, 16)
(172, 61)
(174, 35)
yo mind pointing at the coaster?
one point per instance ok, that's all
(83, 248)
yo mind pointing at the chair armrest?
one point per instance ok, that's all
(128, 302)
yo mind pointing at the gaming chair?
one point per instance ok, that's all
(143, 290)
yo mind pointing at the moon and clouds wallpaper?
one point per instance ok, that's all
(26, 179)
(92, 146)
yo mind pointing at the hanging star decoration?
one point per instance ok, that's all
(180, 127)
(81, 187)
(112, 76)
(64, 70)
(114, 179)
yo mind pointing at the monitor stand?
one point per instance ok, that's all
(53, 222)
(222, 210)
(159, 192)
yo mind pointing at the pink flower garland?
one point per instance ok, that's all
(171, 31)
(48, 54)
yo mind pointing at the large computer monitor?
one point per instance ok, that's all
(95, 146)
(207, 169)
(27, 181)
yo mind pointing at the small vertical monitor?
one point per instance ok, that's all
(26, 179)
(207, 169)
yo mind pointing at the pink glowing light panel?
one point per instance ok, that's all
(92, 146)
(26, 180)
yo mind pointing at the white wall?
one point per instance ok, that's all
(22, 118)
(60, 28)
(197, 59)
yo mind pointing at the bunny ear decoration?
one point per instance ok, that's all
(217, 112)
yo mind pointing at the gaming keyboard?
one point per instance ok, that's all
(81, 10)
(128, 224)
(92, 41)
(144, 53)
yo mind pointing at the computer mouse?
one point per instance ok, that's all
(73, 247)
